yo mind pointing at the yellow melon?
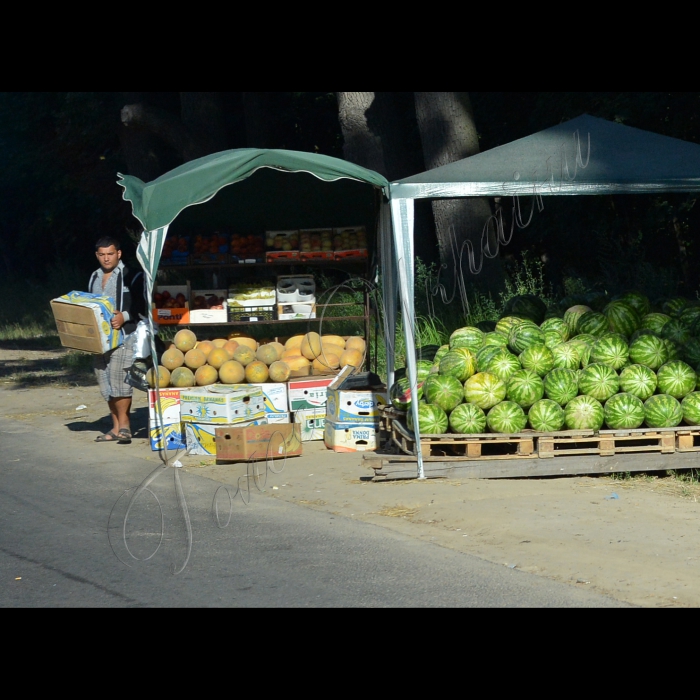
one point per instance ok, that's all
(326, 362)
(185, 340)
(334, 340)
(231, 372)
(230, 348)
(181, 377)
(244, 355)
(172, 358)
(294, 342)
(249, 342)
(297, 362)
(356, 343)
(311, 345)
(256, 372)
(163, 377)
(267, 354)
(206, 375)
(328, 347)
(351, 357)
(219, 342)
(278, 346)
(217, 357)
(195, 358)
(279, 371)
(291, 355)
(206, 346)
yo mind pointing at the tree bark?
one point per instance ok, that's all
(261, 110)
(360, 144)
(448, 133)
(140, 147)
(203, 119)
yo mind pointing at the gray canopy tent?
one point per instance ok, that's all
(583, 156)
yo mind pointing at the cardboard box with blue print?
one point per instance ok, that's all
(312, 421)
(83, 322)
(355, 397)
(351, 437)
(200, 438)
(170, 436)
(222, 404)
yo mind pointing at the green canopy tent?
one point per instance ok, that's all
(583, 156)
(254, 190)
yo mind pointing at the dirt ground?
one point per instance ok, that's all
(635, 539)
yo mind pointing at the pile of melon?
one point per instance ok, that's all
(237, 360)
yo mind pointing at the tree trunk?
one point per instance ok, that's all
(448, 134)
(139, 145)
(261, 114)
(203, 118)
(360, 144)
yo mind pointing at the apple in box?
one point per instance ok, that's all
(164, 300)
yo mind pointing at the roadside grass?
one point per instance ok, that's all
(677, 482)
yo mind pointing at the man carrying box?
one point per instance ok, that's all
(112, 279)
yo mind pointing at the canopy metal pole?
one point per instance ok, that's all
(402, 214)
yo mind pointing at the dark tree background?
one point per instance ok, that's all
(61, 153)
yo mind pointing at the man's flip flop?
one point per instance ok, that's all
(124, 437)
(107, 437)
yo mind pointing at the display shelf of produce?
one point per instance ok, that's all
(340, 264)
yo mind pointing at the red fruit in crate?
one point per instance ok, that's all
(180, 299)
(165, 295)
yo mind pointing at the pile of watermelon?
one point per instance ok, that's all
(617, 364)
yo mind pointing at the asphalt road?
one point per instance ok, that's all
(56, 496)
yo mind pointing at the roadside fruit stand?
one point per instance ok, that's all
(600, 378)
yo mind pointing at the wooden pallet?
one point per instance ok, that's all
(452, 447)
(607, 442)
(688, 439)
(386, 467)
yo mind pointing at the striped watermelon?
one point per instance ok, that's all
(584, 339)
(467, 419)
(671, 349)
(662, 411)
(561, 385)
(690, 405)
(401, 393)
(655, 321)
(506, 417)
(444, 391)
(556, 324)
(442, 351)
(674, 306)
(676, 378)
(624, 411)
(553, 312)
(546, 416)
(572, 316)
(611, 350)
(487, 326)
(648, 350)
(585, 354)
(596, 300)
(485, 355)
(690, 352)
(599, 381)
(459, 363)
(468, 337)
(423, 368)
(527, 306)
(622, 318)
(504, 365)
(638, 380)
(584, 413)
(689, 316)
(593, 323)
(506, 323)
(675, 331)
(432, 420)
(523, 336)
(553, 338)
(638, 301)
(639, 332)
(494, 338)
(538, 358)
(525, 387)
(484, 389)
(566, 356)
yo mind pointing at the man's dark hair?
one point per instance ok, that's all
(106, 242)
